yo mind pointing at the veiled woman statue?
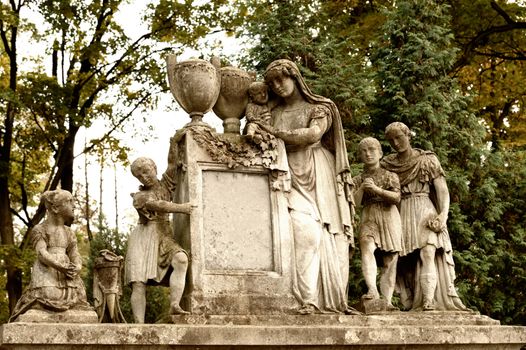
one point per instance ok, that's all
(319, 202)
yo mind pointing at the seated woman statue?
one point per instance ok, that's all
(55, 281)
(320, 198)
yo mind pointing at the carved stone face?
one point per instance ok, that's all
(398, 140)
(370, 154)
(282, 85)
(259, 96)
(65, 208)
(146, 174)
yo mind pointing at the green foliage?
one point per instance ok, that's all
(491, 66)
(90, 70)
(492, 265)
(412, 58)
(321, 42)
(20, 259)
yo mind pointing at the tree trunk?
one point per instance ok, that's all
(7, 234)
(67, 157)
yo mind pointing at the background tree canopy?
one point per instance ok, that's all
(452, 70)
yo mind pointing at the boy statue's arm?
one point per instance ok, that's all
(169, 207)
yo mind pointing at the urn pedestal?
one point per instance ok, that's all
(238, 237)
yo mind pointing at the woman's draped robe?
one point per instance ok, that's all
(319, 210)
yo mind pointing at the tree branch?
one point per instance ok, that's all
(494, 54)
(501, 12)
(482, 36)
(116, 125)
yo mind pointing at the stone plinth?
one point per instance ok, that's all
(398, 330)
(69, 316)
(238, 237)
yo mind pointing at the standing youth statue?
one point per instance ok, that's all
(378, 191)
(320, 201)
(153, 257)
(426, 268)
(55, 281)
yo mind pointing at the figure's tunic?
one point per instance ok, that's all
(416, 210)
(380, 219)
(50, 288)
(151, 245)
(318, 209)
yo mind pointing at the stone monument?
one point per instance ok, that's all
(268, 233)
(56, 292)
(258, 247)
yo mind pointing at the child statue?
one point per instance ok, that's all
(55, 281)
(257, 110)
(153, 257)
(257, 114)
(378, 191)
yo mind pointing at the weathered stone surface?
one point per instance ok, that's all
(238, 236)
(370, 306)
(404, 319)
(233, 97)
(195, 85)
(228, 197)
(432, 330)
(69, 316)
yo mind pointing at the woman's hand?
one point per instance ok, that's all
(268, 128)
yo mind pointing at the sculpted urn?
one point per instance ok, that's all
(195, 84)
(233, 97)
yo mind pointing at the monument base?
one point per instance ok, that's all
(395, 331)
(69, 316)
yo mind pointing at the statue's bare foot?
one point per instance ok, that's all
(371, 295)
(352, 311)
(306, 310)
(175, 309)
(428, 305)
